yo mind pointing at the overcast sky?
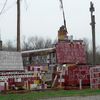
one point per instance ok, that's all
(44, 17)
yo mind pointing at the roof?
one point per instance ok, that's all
(38, 51)
(10, 61)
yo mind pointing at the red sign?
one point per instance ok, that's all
(75, 73)
(70, 52)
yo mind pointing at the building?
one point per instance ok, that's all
(66, 52)
(12, 73)
(34, 68)
(43, 60)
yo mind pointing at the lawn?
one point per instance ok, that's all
(48, 94)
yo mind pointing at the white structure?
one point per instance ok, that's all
(10, 61)
(95, 77)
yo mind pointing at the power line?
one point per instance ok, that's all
(3, 10)
(3, 7)
(25, 1)
(8, 8)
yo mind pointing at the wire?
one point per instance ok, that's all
(25, 1)
(3, 10)
(8, 8)
(3, 7)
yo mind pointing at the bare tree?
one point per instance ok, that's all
(25, 44)
(33, 43)
(9, 46)
(48, 43)
(89, 52)
(86, 49)
(36, 43)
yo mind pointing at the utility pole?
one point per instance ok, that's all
(92, 9)
(0, 42)
(18, 25)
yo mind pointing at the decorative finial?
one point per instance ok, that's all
(92, 9)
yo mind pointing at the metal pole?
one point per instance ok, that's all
(18, 25)
(92, 9)
(63, 15)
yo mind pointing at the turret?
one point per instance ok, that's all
(62, 34)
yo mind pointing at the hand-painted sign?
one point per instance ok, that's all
(95, 77)
(75, 73)
(70, 52)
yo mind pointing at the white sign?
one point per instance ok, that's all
(10, 61)
(95, 77)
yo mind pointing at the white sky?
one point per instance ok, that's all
(44, 17)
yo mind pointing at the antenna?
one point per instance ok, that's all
(63, 15)
(25, 1)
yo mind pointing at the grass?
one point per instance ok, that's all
(48, 94)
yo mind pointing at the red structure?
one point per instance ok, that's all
(75, 73)
(70, 76)
(71, 52)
